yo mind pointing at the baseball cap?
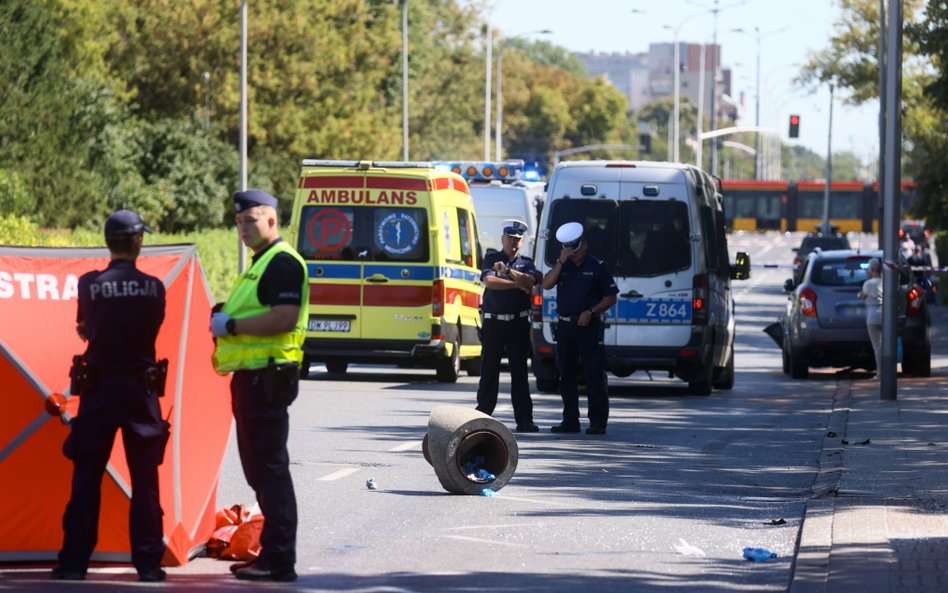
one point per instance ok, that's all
(515, 228)
(251, 198)
(125, 222)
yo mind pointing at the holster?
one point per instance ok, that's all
(156, 377)
(281, 383)
(82, 378)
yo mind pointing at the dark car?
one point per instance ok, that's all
(825, 320)
(813, 241)
(915, 230)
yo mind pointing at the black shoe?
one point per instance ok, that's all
(565, 428)
(254, 573)
(64, 574)
(242, 565)
(154, 575)
(531, 427)
(596, 430)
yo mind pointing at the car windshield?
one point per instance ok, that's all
(840, 272)
(825, 243)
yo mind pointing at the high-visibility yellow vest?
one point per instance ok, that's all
(254, 352)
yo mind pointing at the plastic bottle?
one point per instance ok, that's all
(759, 554)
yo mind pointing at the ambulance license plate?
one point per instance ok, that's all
(329, 325)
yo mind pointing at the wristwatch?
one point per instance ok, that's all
(231, 326)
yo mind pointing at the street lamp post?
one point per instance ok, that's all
(405, 79)
(241, 251)
(207, 101)
(487, 50)
(498, 145)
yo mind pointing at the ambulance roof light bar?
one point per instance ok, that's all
(368, 164)
(507, 171)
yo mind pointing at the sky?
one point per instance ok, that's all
(789, 29)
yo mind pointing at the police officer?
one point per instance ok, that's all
(584, 292)
(508, 278)
(259, 333)
(119, 314)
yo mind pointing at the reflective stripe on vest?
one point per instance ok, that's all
(254, 352)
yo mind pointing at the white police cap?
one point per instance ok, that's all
(515, 228)
(569, 232)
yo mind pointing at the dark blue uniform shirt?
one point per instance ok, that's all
(506, 301)
(122, 308)
(282, 281)
(580, 289)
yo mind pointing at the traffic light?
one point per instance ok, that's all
(645, 143)
(794, 126)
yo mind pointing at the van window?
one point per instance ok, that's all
(464, 230)
(598, 218)
(653, 238)
(363, 233)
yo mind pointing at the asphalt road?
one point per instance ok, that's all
(666, 501)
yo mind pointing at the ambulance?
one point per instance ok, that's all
(394, 266)
(502, 190)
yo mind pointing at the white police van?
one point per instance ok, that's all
(660, 229)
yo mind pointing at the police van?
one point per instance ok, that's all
(502, 190)
(660, 229)
(394, 266)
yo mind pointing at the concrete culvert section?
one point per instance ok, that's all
(469, 450)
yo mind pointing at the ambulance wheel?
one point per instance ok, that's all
(449, 368)
(337, 367)
(472, 366)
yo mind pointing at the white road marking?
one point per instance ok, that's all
(405, 446)
(491, 542)
(339, 474)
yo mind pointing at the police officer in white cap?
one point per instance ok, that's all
(584, 292)
(509, 277)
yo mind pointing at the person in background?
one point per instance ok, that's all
(259, 334)
(872, 293)
(120, 312)
(508, 276)
(584, 292)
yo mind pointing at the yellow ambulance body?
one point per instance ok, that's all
(394, 266)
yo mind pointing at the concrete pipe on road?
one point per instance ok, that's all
(469, 450)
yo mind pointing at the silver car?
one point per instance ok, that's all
(825, 320)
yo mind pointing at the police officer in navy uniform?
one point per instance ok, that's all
(120, 312)
(259, 335)
(584, 292)
(508, 276)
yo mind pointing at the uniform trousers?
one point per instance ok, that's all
(575, 343)
(262, 432)
(512, 337)
(115, 403)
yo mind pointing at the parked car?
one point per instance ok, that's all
(813, 241)
(915, 230)
(825, 320)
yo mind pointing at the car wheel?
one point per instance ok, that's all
(472, 366)
(701, 385)
(337, 367)
(786, 360)
(548, 385)
(799, 368)
(724, 376)
(448, 368)
(918, 363)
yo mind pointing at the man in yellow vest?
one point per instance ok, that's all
(259, 333)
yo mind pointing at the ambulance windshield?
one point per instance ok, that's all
(363, 233)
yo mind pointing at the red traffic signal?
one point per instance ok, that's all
(794, 126)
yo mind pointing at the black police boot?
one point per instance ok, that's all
(152, 575)
(64, 574)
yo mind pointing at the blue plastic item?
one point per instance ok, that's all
(758, 554)
(488, 492)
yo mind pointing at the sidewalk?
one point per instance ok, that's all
(878, 519)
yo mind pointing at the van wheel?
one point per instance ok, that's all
(337, 367)
(472, 366)
(304, 370)
(548, 385)
(449, 368)
(702, 384)
(799, 368)
(724, 376)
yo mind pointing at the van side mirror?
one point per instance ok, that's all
(741, 270)
(788, 285)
